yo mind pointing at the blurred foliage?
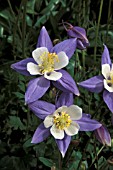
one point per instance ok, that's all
(20, 24)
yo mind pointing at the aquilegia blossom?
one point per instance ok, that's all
(105, 81)
(79, 33)
(48, 62)
(103, 135)
(61, 120)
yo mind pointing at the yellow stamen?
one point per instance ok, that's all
(62, 120)
(48, 62)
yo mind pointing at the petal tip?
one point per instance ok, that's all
(78, 94)
(32, 142)
(43, 27)
(62, 154)
(12, 66)
(109, 144)
(25, 104)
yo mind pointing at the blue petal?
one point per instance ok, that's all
(79, 33)
(40, 134)
(36, 89)
(88, 124)
(65, 99)
(42, 108)
(82, 44)
(21, 66)
(105, 56)
(44, 39)
(108, 99)
(66, 83)
(94, 84)
(63, 144)
(68, 46)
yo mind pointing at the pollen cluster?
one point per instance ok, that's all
(110, 80)
(62, 120)
(47, 62)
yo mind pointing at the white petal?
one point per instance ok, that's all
(110, 89)
(39, 52)
(57, 133)
(72, 129)
(106, 70)
(75, 112)
(112, 67)
(63, 61)
(33, 69)
(53, 75)
(60, 109)
(48, 121)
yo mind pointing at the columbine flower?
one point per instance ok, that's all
(79, 33)
(103, 136)
(48, 62)
(105, 81)
(61, 120)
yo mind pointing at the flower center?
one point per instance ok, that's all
(48, 62)
(62, 120)
(110, 80)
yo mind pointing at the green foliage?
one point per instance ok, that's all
(47, 162)
(20, 23)
(16, 123)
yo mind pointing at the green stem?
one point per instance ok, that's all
(88, 11)
(69, 155)
(97, 29)
(84, 151)
(28, 118)
(24, 28)
(95, 113)
(83, 12)
(83, 59)
(79, 16)
(78, 64)
(11, 9)
(15, 28)
(108, 20)
(96, 156)
(60, 161)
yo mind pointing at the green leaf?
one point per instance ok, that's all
(71, 66)
(30, 7)
(48, 162)
(16, 123)
(27, 143)
(42, 20)
(22, 87)
(1, 31)
(5, 14)
(97, 97)
(28, 20)
(50, 7)
(19, 95)
(40, 149)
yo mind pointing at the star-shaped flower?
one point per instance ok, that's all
(61, 120)
(102, 82)
(47, 62)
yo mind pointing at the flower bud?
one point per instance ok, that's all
(79, 33)
(103, 136)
